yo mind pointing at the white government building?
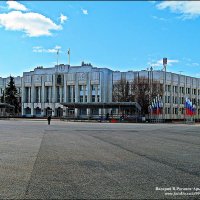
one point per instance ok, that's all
(44, 90)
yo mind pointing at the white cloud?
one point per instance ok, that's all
(63, 18)
(194, 64)
(159, 18)
(187, 9)
(159, 63)
(85, 12)
(33, 24)
(40, 49)
(197, 75)
(16, 6)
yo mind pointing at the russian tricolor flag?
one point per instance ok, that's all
(189, 108)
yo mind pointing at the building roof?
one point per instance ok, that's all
(103, 105)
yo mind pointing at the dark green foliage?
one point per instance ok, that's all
(3, 98)
(11, 94)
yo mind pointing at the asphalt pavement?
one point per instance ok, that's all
(76, 160)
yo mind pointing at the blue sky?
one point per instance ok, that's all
(118, 35)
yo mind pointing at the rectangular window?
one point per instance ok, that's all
(71, 93)
(188, 91)
(98, 98)
(93, 98)
(80, 87)
(169, 88)
(166, 99)
(95, 111)
(93, 87)
(47, 94)
(58, 93)
(37, 94)
(183, 90)
(176, 89)
(26, 94)
(81, 98)
(169, 99)
(83, 111)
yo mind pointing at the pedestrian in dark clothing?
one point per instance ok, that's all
(107, 116)
(49, 119)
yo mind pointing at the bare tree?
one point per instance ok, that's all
(145, 91)
(141, 90)
(121, 91)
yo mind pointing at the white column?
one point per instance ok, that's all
(53, 95)
(65, 88)
(32, 98)
(96, 92)
(54, 90)
(60, 88)
(84, 89)
(50, 91)
(23, 97)
(39, 94)
(29, 94)
(42, 94)
(88, 94)
(72, 93)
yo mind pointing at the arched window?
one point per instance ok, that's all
(38, 111)
(28, 111)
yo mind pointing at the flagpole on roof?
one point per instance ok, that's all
(68, 52)
(57, 56)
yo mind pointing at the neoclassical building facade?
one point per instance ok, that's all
(44, 90)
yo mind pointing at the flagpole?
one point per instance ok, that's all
(57, 56)
(69, 56)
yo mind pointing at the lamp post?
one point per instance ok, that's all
(164, 83)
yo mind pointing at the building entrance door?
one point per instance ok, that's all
(59, 112)
(48, 111)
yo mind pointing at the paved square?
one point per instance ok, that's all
(97, 160)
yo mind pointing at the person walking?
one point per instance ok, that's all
(49, 119)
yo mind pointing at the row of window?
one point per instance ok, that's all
(59, 94)
(94, 98)
(181, 100)
(177, 111)
(182, 90)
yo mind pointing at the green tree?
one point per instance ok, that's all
(11, 95)
(2, 98)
